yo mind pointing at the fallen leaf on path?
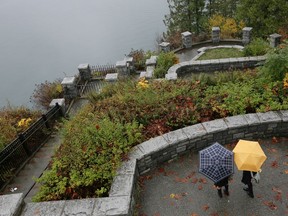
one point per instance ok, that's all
(194, 180)
(194, 214)
(156, 214)
(285, 163)
(270, 204)
(181, 180)
(161, 170)
(286, 171)
(203, 180)
(200, 187)
(274, 164)
(277, 190)
(278, 197)
(214, 214)
(205, 207)
(275, 140)
(191, 175)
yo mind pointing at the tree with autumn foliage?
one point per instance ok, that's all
(229, 26)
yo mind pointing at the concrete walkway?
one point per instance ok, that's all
(176, 188)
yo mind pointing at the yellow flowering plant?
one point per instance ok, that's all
(143, 83)
(24, 122)
(285, 81)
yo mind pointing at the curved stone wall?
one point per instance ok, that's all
(149, 154)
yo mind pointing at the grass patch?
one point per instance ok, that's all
(220, 53)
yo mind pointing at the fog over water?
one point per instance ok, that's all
(45, 40)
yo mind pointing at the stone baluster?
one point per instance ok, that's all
(215, 34)
(60, 102)
(186, 39)
(85, 72)
(275, 40)
(247, 35)
(164, 46)
(122, 69)
(69, 87)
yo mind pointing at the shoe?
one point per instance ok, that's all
(251, 195)
(226, 192)
(220, 193)
(245, 189)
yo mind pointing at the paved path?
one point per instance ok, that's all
(176, 188)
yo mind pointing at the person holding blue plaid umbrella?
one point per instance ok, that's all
(216, 162)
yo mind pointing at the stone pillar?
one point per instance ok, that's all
(122, 69)
(152, 61)
(215, 34)
(164, 46)
(130, 63)
(186, 39)
(247, 35)
(85, 72)
(275, 40)
(69, 87)
(60, 102)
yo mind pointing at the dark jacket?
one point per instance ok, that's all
(246, 177)
(222, 182)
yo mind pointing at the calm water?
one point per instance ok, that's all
(45, 40)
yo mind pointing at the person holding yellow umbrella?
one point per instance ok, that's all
(249, 157)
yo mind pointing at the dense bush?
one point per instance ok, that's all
(14, 120)
(164, 62)
(276, 65)
(256, 47)
(45, 92)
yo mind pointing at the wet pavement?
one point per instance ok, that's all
(177, 188)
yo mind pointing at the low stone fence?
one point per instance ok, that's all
(148, 155)
(196, 66)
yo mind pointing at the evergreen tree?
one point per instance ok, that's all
(226, 8)
(185, 15)
(266, 17)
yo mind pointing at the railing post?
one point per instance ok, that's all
(215, 34)
(85, 72)
(247, 35)
(69, 87)
(275, 40)
(22, 139)
(164, 47)
(58, 102)
(186, 39)
(45, 121)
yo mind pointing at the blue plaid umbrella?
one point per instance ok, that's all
(216, 162)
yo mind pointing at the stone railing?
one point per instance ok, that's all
(148, 155)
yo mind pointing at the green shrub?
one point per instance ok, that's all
(164, 62)
(87, 160)
(256, 47)
(276, 64)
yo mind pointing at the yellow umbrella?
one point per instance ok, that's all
(248, 155)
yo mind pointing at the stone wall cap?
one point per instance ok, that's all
(112, 206)
(164, 44)
(121, 63)
(79, 207)
(236, 121)
(83, 66)
(9, 204)
(68, 80)
(270, 116)
(275, 35)
(54, 208)
(252, 118)
(122, 185)
(186, 33)
(171, 76)
(215, 125)
(215, 28)
(284, 115)
(194, 131)
(153, 145)
(174, 137)
(247, 28)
